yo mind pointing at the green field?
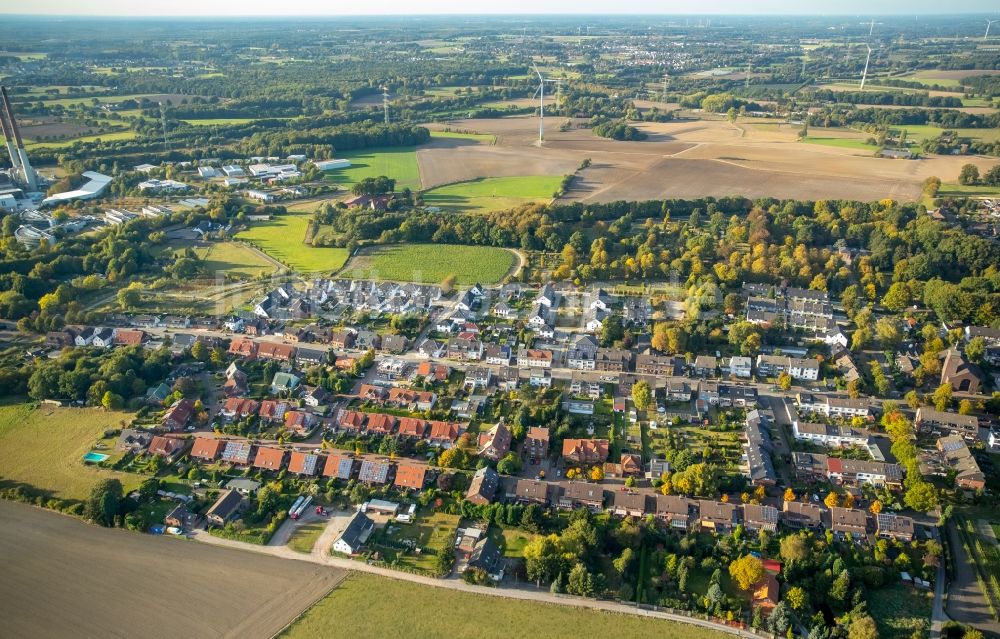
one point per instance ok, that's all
(844, 143)
(920, 132)
(385, 608)
(930, 78)
(232, 257)
(281, 238)
(44, 447)
(949, 189)
(455, 135)
(431, 263)
(104, 137)
(224, 121)
(399, 163)
(492, 194)
(434, 532)
(306, 536)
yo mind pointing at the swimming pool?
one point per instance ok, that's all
(93, 458)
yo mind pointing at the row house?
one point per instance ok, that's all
(585, 451)
(273, 411)
(652, 364)
(534, 358)
(463, 348)
(929, 420)
(830, 435)
(613, 360)
(578, 494)
(842, 407)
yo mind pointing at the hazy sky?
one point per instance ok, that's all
(237, 8)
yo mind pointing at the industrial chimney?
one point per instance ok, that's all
(8, 136)
(27, 173)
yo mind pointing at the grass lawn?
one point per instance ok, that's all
(399, 163)
(233, 257)
(44, 447)
(844, 143)
(385, 608)
(434, 531)
(104, 137)
(512, 540)
(306, 536)
(899, 611)
(492, 194)
(920, 132)
(950, 189)
(281, 238)
(455, 135)
(431, 263)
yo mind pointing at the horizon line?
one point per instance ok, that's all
(443, 14)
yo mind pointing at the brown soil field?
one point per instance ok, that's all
(65, 578)
(685, 158)
(67, 129)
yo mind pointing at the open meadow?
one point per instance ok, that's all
(232, 258)
(65, 578)
(431, 263)
(492, 194)
(44, 447)
(282, 238)
(398, 163)
(376, 607)
(103, 137)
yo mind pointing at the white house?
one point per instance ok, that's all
(355, 535)
(740, 366)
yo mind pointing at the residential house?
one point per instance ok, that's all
(890, 526)
(674, 511)
(717, 516)
(169, 448)
(483, 486)
(133, 441)
(443, 434)
(530, 491)
(534, 358)
(955, 455)
(508, 378)
(766, 594)
(238, 452)
(207, 448)
(937, 421)
(315, 396)
(857, 472)
(495, 443)
(238, 408)
(498, 354)
(381, 424)
(342, 339)
(614, 360)
(103, 337)
(652, 364)
(628, 504)
(830, 435)
(585, 451)
(760, 466)
(305, 464)
(433, 372)
(740, 367)
(411, 399)
(579, 494)
(284, 382)
(705, 366)
(374, 472)
(124, 337)
(272, 411)
(269, 458)
(802, 515)
(757, 517)
(225, 508)
(477, 377)
(536, 444)
(178, 415)
(540, 377)
(355, 535)
(243, 347)
(276, 351)
(338, 467)
(299, 422)
(464, 348)
(412, 427)
(410, 476)
(394, 344)
(849, 522)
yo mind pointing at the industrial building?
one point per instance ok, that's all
(19, 183)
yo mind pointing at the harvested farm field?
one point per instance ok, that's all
(684, 159)
(65, 578)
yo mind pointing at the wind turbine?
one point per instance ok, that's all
(541, 104)
(989, 23)
(864, 75)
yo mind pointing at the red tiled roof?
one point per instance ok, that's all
(207, 448)
(410, 476)
(269, 458)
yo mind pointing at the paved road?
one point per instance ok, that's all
(320, 556)
(938, 617)
(965, 599)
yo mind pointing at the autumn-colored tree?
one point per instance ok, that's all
(832, 500)
(759, 493)
(745, 497)
(796, 598)
(596, 473)
(789, 494)
(942, 396)
(784, 381)
(875, 507)
(849, 500)
(724, 499)
(746, 571)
